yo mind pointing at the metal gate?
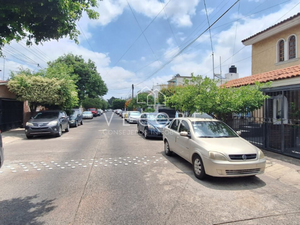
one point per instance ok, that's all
(11, 114)
(282, 122)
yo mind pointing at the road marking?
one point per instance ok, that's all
(84, 163)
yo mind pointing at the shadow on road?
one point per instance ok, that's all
(24, 210)
(218, 183)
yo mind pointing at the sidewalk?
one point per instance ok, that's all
(13, 135)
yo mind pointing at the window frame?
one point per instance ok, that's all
(295, 47)
(278, 50)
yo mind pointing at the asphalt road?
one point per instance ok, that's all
(105, 173)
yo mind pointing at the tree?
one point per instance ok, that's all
(43, 20)
(88, 80)
(203, 95)
(165, 93)
(98, 103)
(38, 90)
(110, 101)
(143, 101)
(118, 103)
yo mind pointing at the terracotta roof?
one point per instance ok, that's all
(277, 24)
(280, 74)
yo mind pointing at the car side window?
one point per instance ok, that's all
(184, 126)
(174, 125)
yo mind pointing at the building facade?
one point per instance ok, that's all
(275, 53)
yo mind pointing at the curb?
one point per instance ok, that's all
(12, 135)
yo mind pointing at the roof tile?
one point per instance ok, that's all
(277, 24)
(280, 74)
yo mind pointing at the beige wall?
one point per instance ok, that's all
(5, 93)
(264, 53)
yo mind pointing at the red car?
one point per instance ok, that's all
(94, 111)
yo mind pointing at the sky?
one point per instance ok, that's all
(147, 42)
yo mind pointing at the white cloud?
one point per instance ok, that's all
(109, 11)
(209, 11)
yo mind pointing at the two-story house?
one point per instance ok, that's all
(275, 58)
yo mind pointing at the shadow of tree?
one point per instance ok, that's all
(24, 210)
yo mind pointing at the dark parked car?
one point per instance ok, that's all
(1, 151)
(51, 122)
(152, 124)
(75, 118)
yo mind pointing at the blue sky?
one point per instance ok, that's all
(138, 41)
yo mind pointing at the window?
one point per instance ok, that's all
(184, 127)
(280, 102)
(281, 51)
(174, 125)
(292, 47)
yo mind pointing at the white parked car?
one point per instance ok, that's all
(213, 148)
(87, 115)
(133, 116)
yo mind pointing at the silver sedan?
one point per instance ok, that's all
(87, 115)
(213, 148)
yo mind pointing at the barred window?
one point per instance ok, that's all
(292, 47)
(281, 51)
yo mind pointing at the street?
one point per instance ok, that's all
(105, 173)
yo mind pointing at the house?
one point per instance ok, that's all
(275, 58)
(178, 80)
(11, 110)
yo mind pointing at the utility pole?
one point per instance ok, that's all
(132, 95)
(3, 66)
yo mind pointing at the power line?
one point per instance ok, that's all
(190, 42)
(233, 49)
(211, 43)
(141, 30)
(141, 34)
(32, 53)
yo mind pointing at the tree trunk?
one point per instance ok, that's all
(32, 107)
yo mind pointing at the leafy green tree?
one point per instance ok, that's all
(118, 103)
(149, 110)
(98, 103)
(203, 95)
(110, 101)
(143, 101)
(38, 90)
(165, 93)
(43, 20)
(88, 80)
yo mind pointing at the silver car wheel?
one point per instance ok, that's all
(197, 166)
(59, 132)
(167, 149)
(146, 133)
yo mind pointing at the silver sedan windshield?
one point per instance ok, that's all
(212, 129)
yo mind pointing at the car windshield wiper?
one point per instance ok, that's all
(206, 137)
(224, 136)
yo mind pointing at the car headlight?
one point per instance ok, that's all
(29, 124)
(217, 156)
(261, 155)
(52, 123)
(150, 127)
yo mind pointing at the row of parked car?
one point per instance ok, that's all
(210, 145)
(55, 122)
